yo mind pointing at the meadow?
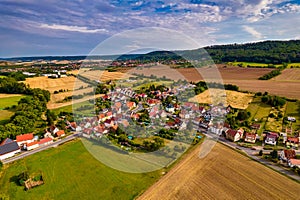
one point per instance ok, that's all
(70, 172)
(8, 100)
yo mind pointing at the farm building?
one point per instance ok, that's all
(292, 142)
(294, 162)
(8, 148)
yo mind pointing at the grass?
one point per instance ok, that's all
(9, 101)
(5, 115)
(69, 172)
(1, 76)
(259, 112)
(292, 111)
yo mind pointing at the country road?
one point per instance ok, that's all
(28, 153)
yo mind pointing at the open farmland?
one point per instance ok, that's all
(70, 172)
(8, 100)
(289, 75)
(222, 174)
(235, 99)
(103, 75)
(71, 85)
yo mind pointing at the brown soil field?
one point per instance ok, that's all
(228, 72)
(289, 75)
(287, 84)
(222, 174)
(235, 99)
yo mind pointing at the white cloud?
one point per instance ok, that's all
(253, 32)
(80, 29)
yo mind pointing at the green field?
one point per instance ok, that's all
(252, 64)
(1, 76)
(70, 172)
(63, 109)
(5, 115)
(9, 101)
(259, 112)
(292, 110)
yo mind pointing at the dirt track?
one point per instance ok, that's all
(223, 174)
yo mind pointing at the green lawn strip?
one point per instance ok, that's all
(69, 172)
(292, 111)
(10, 101)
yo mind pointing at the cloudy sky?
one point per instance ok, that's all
(75, 27)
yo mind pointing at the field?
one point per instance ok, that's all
(289, 75)
(293, 110)
(71, 85)
(223, 174)
(245, 78)
(235, 99)
(70, 172)
(8, 100)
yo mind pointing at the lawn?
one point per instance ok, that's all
(70, 172)
(9, 101)
(292, 110)
(5, 115)
(259, 112)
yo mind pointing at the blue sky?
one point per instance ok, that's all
(75, 27)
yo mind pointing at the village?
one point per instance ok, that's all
(162, 114)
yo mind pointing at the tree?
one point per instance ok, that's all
(1, 164)
(243, 115)
(260, 153)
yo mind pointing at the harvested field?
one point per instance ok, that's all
(222, 174)
(235, 99)
(65, 83)
(288, 75)
(9, 95)
(103, 75)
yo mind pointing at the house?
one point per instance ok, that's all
(294, 163)
(170, 108)
(24, 139)
(287, 154)
(48, 135)
(53, 129)
(255, 126)
(130, 104)
(45, 141)
(31, 145)
(250, 137)
(271, 138)
(234, 135)
(60, 133)
(8, 148)
(292, 142)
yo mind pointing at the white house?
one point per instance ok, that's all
(24, 139)
(294, 163)
(32, 145)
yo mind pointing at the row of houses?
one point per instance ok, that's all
(9, 147)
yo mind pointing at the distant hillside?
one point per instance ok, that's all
(273, 52)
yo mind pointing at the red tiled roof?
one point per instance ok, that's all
(73, 124)
(295, 161)
(289, 153)
(60, 133)
(28, 136)
(231, 132)
(293, 139)
(45, 140)
(130, 104)
(32, 143)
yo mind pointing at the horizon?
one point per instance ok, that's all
(139, 53)
(30, 28)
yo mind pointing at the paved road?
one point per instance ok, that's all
(28, 153)
(251, 153)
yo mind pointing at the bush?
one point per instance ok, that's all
(260, 153)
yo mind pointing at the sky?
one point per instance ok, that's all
(76, 27)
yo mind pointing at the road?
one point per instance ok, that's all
(28, 153)
(251, 153)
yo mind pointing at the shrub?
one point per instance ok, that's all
(260, 153)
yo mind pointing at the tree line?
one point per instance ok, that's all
(28, 111)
